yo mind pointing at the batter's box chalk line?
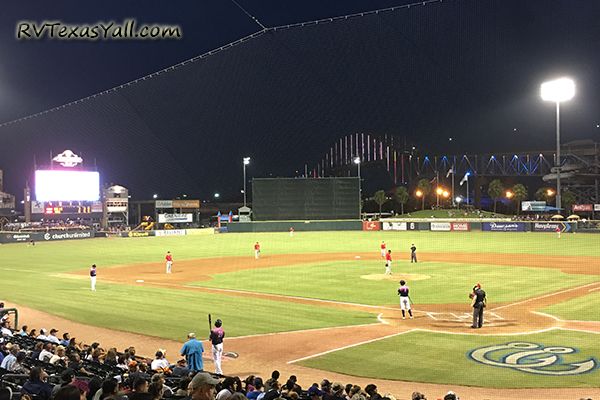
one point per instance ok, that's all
(461, 317)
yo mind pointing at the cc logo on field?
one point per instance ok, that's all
(532, 358)
(46, 236)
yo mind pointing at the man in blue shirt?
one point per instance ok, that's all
(192, 350)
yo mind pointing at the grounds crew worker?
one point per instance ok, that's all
(478, 302)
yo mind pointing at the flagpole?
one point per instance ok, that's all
(467, 190)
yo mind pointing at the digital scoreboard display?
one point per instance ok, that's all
(61, 185)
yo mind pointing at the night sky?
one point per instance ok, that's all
(465, 69)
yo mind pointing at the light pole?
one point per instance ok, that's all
(357, 162)
(246, 161)
(558, 90)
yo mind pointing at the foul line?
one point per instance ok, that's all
(346, 347)
(544, 296)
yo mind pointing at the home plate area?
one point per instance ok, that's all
(489, 317)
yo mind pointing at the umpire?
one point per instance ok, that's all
(478, 303)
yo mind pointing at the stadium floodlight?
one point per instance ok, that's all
(245, 161)
(557, 91)
(155, 196)
(458, 199)
(217, 195)
(509, 194)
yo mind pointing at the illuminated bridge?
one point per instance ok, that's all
(580, 163)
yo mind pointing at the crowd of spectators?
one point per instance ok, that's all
(45, 365)
(47, 225)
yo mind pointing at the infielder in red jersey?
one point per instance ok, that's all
(558, 230)
(257, 250)
(383, 249)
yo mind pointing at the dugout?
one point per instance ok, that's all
(280, 199)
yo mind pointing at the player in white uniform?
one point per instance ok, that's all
(404, 299)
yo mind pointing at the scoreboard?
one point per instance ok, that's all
(73, 208)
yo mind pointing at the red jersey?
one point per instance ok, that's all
(388, 257)
(169, 257)
(557, 229)
(257, 246)
(382, 246)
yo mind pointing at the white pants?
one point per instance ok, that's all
(256, 254)
(404, 303)
(169, 264)
(383, 253)
(388, 268)
(217, 351)
(93, 281)
(291, 233)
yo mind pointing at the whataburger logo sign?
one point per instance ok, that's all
(68, 159)
(532, 358)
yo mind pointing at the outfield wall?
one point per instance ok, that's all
(284, 226)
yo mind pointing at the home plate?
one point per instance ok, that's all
(139, 281)
(357, 257)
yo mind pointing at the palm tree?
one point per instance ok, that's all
(495, 190)
(425, 187)
(568, 199)
(519, 194)
(401, 196)
(380, 199)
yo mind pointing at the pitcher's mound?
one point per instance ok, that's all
(395, 277)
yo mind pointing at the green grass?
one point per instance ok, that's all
(449, 282)
(440, 358)
(585, 308)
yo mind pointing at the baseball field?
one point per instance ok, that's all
(319, 305)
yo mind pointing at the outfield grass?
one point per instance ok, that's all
(585, 308)
(449, 282)
(439, 358)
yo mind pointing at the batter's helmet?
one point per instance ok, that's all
(218, 323)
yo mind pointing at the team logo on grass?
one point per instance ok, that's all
(532, 358)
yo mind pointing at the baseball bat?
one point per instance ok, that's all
(209, 322)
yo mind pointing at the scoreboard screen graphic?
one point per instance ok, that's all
(61, 185)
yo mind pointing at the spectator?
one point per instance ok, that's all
(337, 391)
(192, 350)
(314, 392)
(23, 331)
(33, 333)
(19, 368)
(66, 339)
(180, 369)
(52, 336)
(249, 384)
(68, 392)
(46, 353)
(43, 334)
(37, 349)
(183, 386)
(258, 389)
(202, 387)
(66, 378)
(76, 365)
(36, 384)
(347, 390)
(140, 390)
(155, 390)
(450, 396)
(160, 363)
(5, 330)
(109, 390)
(10, 360)
(371, 390)
(111, 357)
(59, 357)
(274, 377)
(94, 385)
(160, 378)
(226, 389)
(418, 396)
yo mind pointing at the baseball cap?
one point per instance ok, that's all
(53, 330)
(43, 331)
(314, 391)
(203, 378)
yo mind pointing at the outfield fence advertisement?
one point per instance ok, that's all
(504, 227)
(171, 232)
(440, 226)
(371, 226)
(551, 226)
(45, 236)
(394, 226)
(460, 226)
(175, 218)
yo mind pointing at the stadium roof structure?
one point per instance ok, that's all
(282, 94)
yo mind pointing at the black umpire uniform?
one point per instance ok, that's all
(413, 254)
(478, 303)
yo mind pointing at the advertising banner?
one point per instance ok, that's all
(460, 226)
(186, 203)
(596, 207)
(412, 226)
(536, 206)
(170, 232)
(440, 226)
(116, 205)
(371, 226)
(394, 226)
(137, 234)
(583, 207)
(175, 218)
(551, 226)
(163, 204)
(503, 226)
(45, 236)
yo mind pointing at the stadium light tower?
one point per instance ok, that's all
(557, 91)
(155, 196)
(357, 162)
(246, 161)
